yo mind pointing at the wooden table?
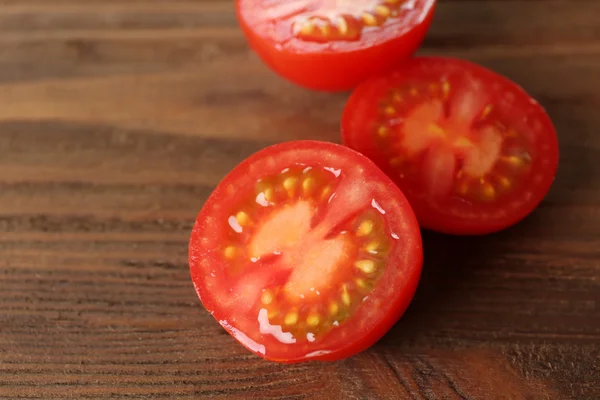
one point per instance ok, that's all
(118, 117)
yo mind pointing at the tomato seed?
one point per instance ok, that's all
(291, 318)
(389, 111)
(372, 247)
(333, 308)
(367, 266)
(365, 228)
(242, 218)
(446, 88)
(345, 295)
(266, 297)
(383, 131)
(383, 10)
(488, 193)
(307, 185)
(487, 110)
(229, 252)
(313, 320)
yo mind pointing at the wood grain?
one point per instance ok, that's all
(117, 118)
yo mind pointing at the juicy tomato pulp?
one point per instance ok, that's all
(306, 250)
(333, 44)
(470, 149)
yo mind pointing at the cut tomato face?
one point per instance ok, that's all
(333, 44)
(471, 150)
(306, 251)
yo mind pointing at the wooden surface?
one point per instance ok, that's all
(118, 117)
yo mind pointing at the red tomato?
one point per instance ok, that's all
(306, 251)
(331, 44)
(472, 151)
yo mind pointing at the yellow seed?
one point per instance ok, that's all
(366, 266)
(229, 252)
(369, 19)
(290, 183)
(326, 192)
(307, 29)
(514, 161)
(383, 131)
(365, 228)
(446, 88)
(504, 182)
(361, 283)
(437, 130)
(325, 30)
(345, 296)
(414, 92)
(269, 194)
(273, 313)
(267, 297)
(313, 320)
(382, 10)
(397, 98)
(333, 308)
(486, 111)
(242, 218)
(372, 247)
(308, 184)
(389, 111)
(343, 26)
(487, 190)
(463, 188)
(291, 318)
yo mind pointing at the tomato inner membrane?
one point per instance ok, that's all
(304, 250)
(451, 142)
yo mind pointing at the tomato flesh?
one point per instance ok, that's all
(470, 149)
(304, 251)
(333, 45)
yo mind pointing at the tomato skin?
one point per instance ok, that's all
(359, 112)
(320, 68)
(200, 254)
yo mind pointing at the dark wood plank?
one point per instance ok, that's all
(117, 118)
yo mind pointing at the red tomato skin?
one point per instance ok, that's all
(356, 110)
(398, 305)
(332, 71)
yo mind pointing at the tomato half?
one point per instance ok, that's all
(333, 44)
(471, 150)
(306, 251)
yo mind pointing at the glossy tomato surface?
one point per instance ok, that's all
(305, 251)
(333, 44)
(471, 150)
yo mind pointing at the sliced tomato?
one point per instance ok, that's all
(305, 251)
(333, 44)
(471, 150)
